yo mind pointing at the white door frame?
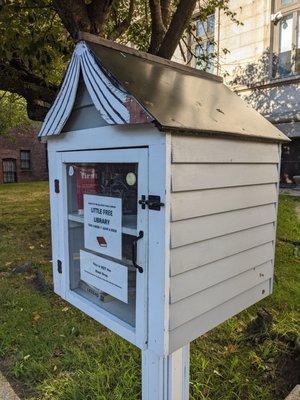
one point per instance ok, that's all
(137, 335)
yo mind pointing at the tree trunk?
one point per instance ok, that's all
(74, 15)
(178, 24)
(158, 29)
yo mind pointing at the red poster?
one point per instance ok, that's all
(87, 182)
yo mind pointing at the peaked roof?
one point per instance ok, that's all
(129, 87)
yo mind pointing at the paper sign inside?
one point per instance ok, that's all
(105, 275)
(103, 225)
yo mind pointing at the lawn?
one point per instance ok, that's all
(49, 350)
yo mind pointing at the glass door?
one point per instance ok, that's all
(107, 231)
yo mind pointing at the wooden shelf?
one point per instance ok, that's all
(128, 222)
(76, 218)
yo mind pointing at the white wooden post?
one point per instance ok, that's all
(166, 378)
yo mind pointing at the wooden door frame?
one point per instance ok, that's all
(138, 334)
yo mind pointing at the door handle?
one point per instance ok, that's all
(134, 251)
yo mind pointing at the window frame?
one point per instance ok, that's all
(28, 160)
(286, 9)
(208, 38)
(289, 9)
(14, 171)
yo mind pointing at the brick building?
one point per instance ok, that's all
(22, 157)
(262, 65)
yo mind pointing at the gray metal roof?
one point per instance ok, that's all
(180, 98)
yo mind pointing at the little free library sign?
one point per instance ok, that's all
(103, 225)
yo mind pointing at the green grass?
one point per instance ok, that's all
(49, 350)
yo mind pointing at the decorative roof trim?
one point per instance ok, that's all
(62, 106)
(115, 105)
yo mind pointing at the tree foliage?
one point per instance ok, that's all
(13, 112)
(37, 36)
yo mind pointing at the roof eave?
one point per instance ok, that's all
(233, 135)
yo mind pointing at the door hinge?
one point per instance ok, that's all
(153, 202)
(56, 185)
(59, 266)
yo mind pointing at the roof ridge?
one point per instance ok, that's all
(88, 37)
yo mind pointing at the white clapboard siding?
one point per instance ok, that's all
(194, 255)
(217, 150)
(191, 307)
(205, 322)
(196, 280)
(202, 228)
(204, 202)
(208, 176)
(224, 195)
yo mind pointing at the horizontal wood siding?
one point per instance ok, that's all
(201, 228)
(217, 150)
(223, 215)
(204, 202)
(196, 254)
(195, 280)
(209, 176)
(205, 300)
(205, 322)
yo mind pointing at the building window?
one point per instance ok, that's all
(9, 170)
(25, 160)
(287, 39)
(205, 43)
(204, 56)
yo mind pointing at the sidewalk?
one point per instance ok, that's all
(292, 192)
(295, 394)
(6, 391)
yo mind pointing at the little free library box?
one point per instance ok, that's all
(164, 190)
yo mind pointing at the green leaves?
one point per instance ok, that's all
(12, 112)
(35, 44)
(32, 35)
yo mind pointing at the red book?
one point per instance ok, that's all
(102, 241)
(87, 182)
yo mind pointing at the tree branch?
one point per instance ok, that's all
(98, 12)
(178, 24)
(74, 15)
(123, 25)
(34, 89)
(158, 28)
(166, 12)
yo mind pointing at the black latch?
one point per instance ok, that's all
(153, 202)
(56, 185)
(59, 266)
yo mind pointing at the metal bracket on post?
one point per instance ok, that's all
(166, 378)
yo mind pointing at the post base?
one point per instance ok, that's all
(166, 378)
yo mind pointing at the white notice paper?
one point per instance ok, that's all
(103, 224)
(105, 275)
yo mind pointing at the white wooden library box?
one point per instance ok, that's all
(164, 190)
